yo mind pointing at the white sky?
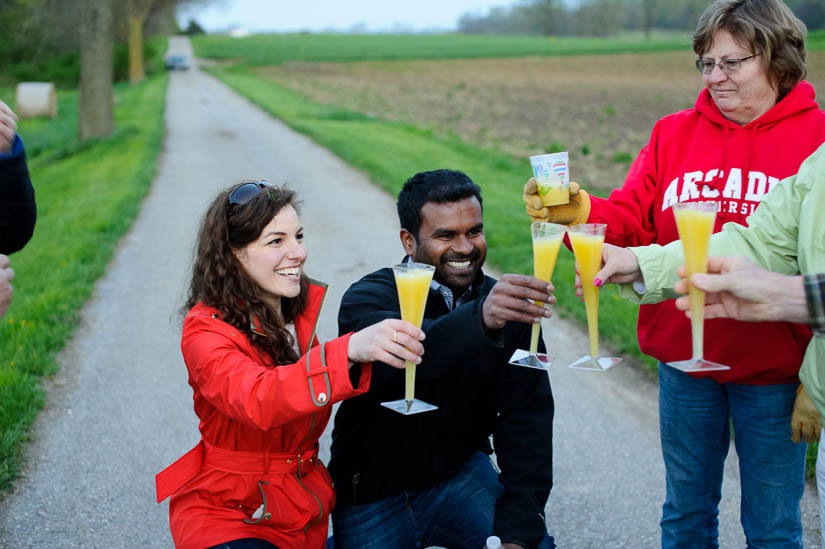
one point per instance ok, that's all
(341, 15)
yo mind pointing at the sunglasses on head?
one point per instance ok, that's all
(246, 192)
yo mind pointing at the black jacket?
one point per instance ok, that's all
(377, 453)
(17, 208)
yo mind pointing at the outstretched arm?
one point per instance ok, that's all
(17, 207)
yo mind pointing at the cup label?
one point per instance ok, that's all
(552, 176)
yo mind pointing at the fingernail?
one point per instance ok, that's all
(422, 336)
(547, 313)
(418, 360)
(549, 288)
(597, 282)
(536, 321)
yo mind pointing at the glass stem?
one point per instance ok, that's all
(409, 386)
(534, 336)
(697, 320)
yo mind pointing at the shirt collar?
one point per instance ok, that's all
(446, 293)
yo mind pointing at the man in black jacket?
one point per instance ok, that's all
(426, 479)
(17, 208)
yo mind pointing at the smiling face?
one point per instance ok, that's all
(451, 238)
(276, 258)
(746, 94)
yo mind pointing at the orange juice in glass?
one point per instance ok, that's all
(412, 280)
(547, 239)
(587, 240)
(695, 221)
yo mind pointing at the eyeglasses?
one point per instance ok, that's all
(246, 192)
(728, 66)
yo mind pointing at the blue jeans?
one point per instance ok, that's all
(694, 423)
(455, 514)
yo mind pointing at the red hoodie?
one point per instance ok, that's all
(697, 154)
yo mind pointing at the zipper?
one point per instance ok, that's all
(320, 308)
(311, 429)
(355, 478)
(317, 499)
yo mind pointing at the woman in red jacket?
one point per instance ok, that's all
(752, 125)
(263, 385)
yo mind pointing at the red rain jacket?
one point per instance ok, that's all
(697, 154)
(255, 473)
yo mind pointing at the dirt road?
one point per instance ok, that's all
(120, 410)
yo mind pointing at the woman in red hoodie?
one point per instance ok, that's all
(752, 125)
(263, 385)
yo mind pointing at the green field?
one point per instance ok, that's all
(271, 49)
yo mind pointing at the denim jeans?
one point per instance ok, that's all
(455, 514)
(694, 423)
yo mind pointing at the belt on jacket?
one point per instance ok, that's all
(204, 454)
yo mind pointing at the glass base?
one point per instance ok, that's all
(697, 365)
(409, 407)
(539, 361)
(598, 363)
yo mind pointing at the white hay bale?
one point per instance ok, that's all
(36, 99)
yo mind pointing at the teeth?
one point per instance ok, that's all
(289, 271)
(459, 264)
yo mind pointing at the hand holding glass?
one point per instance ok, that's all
(695, 222)
(587, 241)
(547, 239)
(413, 283)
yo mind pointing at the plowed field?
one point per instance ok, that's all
(600, 108)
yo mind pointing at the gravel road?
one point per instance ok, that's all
(120, 409)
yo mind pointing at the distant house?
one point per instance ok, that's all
(238, 32)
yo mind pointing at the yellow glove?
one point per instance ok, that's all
(805, 419)
(574, 212)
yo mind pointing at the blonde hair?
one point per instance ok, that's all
(771, 30)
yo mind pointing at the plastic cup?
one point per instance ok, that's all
(552, 178)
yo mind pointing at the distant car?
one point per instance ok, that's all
(177, 62)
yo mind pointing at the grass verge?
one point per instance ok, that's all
(87, 195)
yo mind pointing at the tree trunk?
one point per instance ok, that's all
(136, 72)
(648, 8)
(95, 96)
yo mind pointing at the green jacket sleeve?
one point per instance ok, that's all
(770, 239)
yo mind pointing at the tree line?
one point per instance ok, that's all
(607, 17)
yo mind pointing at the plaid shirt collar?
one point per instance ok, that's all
(446, 293)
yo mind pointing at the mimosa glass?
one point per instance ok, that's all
(587, 240)
(547, 239)
(695, 223)
(413, 283)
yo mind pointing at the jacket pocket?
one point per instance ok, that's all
(328, 479)
(274, 501)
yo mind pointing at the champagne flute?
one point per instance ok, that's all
(695, 222)
(412, 281)
(587, 240)
(547, 239)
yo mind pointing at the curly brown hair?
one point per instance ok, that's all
(768, 27)
(220, 281)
